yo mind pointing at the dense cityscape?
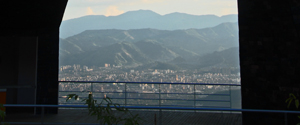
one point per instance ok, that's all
(114, 73)
(149, 91)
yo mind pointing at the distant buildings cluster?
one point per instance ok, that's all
(145, 90)
(108, 73)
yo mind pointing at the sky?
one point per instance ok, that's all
(79, 8)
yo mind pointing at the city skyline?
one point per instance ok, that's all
(228, 75)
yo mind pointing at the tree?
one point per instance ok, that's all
(108, 112)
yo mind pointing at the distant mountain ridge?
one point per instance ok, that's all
(121, 54)
(142, 19)
(150, 47)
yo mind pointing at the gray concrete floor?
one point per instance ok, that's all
(78, 116)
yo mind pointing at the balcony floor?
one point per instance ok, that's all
(77, 116)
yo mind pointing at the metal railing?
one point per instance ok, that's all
(192, 95)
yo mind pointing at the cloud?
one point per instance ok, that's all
(113, 11)
(152, 1)
(89, 11)
(227, 11)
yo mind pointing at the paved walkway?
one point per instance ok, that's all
(77, 116)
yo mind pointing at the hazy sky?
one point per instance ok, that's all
(78, 8)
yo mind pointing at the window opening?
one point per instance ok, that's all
(146, 41)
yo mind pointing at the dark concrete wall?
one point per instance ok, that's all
(18, 74)
(9, 60)
(269, 57)
(47, 70)
(27, 70)
(30, 61)
(9, 65)
(36, 21)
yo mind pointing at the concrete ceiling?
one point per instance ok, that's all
(34, 15)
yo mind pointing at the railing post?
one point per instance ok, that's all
(43, 112)
(194, 97)
(92, 90)
(125, 94)
(159, 95)
(230, 99)
(160, 112)
(160, 117)
(285, 119)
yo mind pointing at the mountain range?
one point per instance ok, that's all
(153, 48)
(142, 19)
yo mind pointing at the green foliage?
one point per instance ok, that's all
(2, 115)
(290, 100)
(70, 96)
(108, 112)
